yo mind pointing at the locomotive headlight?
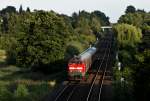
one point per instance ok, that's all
(71, 68)
(80, 68)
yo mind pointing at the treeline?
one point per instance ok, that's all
(140, 19)
(133, 37)
(45, 40)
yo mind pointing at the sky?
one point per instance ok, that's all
(112, 8)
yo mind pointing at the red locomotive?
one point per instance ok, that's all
(79, 65)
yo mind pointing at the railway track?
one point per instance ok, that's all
(66, 92)
(78, 90)
(97, 85)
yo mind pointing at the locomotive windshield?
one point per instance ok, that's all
(75, 60)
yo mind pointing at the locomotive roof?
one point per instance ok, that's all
(89, 52)
(86, 54)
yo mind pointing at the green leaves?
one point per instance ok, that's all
(127, 34)
(130, 9)
(5, 94)
(21, 91)
(44, 42)
(135, 19)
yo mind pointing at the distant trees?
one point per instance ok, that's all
(130, 9)
(85, 22)
(20, 9)
(4, 25)
(101, 17)
(28, 9)
(8, 9)
(83, 26)
(135, 19)
(140, 19)
(95, 25)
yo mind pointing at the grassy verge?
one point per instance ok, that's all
(34, 85)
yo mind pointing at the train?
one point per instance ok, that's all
(78, 66)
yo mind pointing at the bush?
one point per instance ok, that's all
(21, 93)
(8, 43)
(40, 91)
(125, 57)
(5, 94)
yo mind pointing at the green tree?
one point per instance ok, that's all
(8, 9)
(103, 19)
(20, 9)
(127, 34)
(130, 9)
(44, 43)
(74, 19)
(5, 24)
(142, 77)
(95, 25)
(135, 19)
(83, 26)
(28, 9)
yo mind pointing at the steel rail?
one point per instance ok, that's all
(96, 75)
(101, 85)
(62, 91)
(71, 93)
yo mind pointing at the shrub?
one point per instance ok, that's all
(40, 91)
(5, 94)
(21, 93)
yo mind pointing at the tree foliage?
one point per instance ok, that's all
(130, 9)
(135, 19)
(5, 94)
(132, 54)
(28, 10)
(127, 34)
(102, 17)
(20, 9)
(21, 93)
(41, 39)
(44, 42)
(8, 9)
(142, 77)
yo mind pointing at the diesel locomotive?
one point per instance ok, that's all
(79, 65)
